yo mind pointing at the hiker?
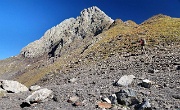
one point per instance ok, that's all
(142, 44)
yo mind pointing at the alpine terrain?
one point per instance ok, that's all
(93, 62)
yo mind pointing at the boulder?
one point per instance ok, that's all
(13, 86)
(38, 96)
(125, 80)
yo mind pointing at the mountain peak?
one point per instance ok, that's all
(91, 22)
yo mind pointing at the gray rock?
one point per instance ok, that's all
(145, 105)
(176, 96)
(146, 83)
(91, 21)
(178, 67)
(39, 96)
(34, 88)
(107, 100)
(113, 99)
(126, 97)
(73, 99)
(72, 80)
(125, 80)
(13, 86)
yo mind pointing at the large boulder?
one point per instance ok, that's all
(12, 86)
(91, 21)
(38, 96)
(125, 80)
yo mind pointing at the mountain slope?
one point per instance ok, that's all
(117, 38)
(120, 39)
(97, 51)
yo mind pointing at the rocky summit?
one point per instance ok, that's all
(95, 63)
(91, 22)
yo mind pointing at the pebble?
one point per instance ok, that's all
(73, 99)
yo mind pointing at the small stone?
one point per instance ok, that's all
(150, 70)
(34, 88)
(77, 104)
(73, 99)
(176, 96)
(72, 80)
(178, 67)
(104, 105)
(145, 105)
(113, 99)
(125, 80)
(107, 100)
(146, 83)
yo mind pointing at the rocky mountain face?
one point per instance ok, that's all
(96, 63)
(91, 22)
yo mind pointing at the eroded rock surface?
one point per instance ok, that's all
(91, 21)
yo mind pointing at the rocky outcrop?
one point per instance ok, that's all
(91, 22)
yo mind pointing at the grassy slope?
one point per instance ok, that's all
(118, 39)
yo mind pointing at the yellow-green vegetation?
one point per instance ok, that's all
(161, 29)
(12, 64)
(120, 38)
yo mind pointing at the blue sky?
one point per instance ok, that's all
(23, 21)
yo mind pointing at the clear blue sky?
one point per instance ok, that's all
(23, 21)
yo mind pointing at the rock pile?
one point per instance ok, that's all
(13, 87)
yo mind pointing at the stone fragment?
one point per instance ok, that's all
(39, 96)
(104, 105)
(34, 88)
(126, 97)
(113, 99)
(72, 80)
(146, 83)
(77, 104)
(73, 99)
(125, 80)
(176, 96)
(13, 86)
(107, 100)
(145, 105)
(178, 67)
